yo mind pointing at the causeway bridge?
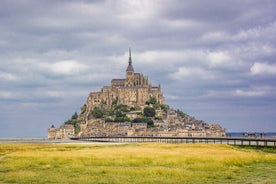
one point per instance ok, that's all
(186, 140)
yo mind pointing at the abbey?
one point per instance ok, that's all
(132, 91)
(132, 107)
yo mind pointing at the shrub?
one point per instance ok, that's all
(149, 112)
(97, 112)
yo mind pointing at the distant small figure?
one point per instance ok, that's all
(264, 135)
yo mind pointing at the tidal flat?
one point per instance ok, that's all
(136, 163)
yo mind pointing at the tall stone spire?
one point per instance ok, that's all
(129, 58)
(129, 67)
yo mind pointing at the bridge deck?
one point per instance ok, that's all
(207, 140)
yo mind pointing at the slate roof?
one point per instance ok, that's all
(129, 67)
(118, 80)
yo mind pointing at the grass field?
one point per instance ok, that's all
(136, 163)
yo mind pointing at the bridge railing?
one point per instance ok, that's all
(206, 140)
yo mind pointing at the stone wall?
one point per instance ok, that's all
(63, 132)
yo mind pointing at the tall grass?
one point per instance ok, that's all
(135, 163)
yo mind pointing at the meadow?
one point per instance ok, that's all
(136, 163)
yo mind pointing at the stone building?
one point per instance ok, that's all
(132, 91)
(63, 132)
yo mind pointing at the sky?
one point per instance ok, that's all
(215, 60)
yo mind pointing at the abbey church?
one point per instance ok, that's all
(134, 90)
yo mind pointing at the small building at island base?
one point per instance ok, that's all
(63, 132)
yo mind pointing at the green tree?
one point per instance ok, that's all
(165, 107)
(180, 113)
(147, 120)
(73, 120)
(77, 128)
(97, 112)
(111, 112)
(83, 109)
(122, 119)
(135, 108)
(108, 120)
(74, 116)
(152, 100)
(122, 107)
(159, 117)
(114, 102)
(119, 113)
(149, 112)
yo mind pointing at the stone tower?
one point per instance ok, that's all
(129, 72)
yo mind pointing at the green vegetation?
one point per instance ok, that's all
(149, 112)
(165, 107)
(83, 109)
(180, 113)
(144, 119)
(258, 148)
(134, 163)
(122, 119)
(74, 121)
(117, 112)
(96, 113)
(152, 101)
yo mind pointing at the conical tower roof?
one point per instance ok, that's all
(129, 67)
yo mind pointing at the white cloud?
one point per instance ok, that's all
(218, 58)
(53, 93)
(184, 72)
(255, 91)
(68, 67)
(249, 93)
(265, 32)
(6, 95)
(133, 12)
(182, 56)
(164, 56)
(263, 69)
(217, 36)
(7, 76)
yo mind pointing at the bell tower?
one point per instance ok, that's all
(129, 72)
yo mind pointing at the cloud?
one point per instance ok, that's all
(263, 69)
(66, 67)
(7, 76)
(218, 58)
(250, 93)
(217, 36)
(191, 73)
(6, 95)
(263, 91)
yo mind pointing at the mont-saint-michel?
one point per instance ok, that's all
(132, 106)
